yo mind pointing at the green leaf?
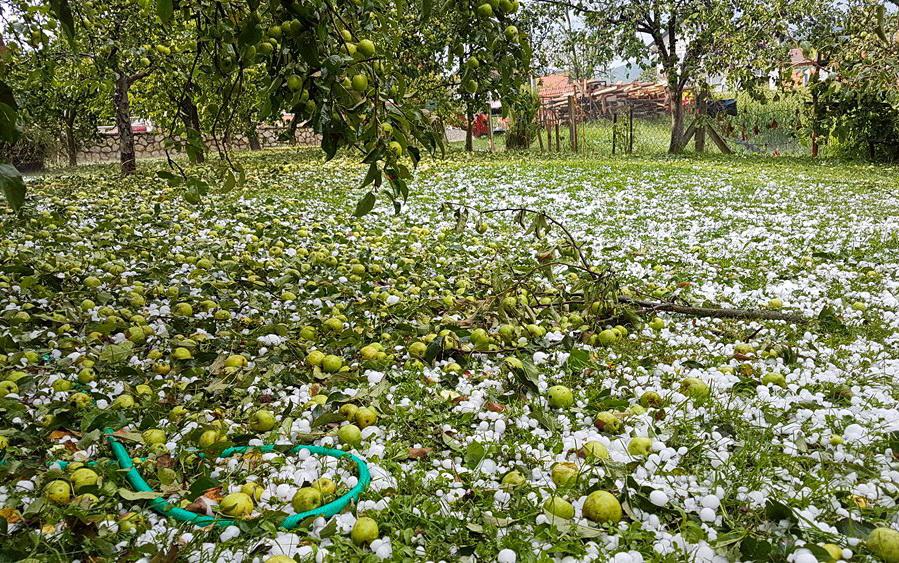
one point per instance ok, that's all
(830, 321)
(854, 529)
(164, 10)
(578, 359)
(427, 7)
(63, 12)
(434, 350)
(13, 186)
(230, 182)
(201, 485)
(530, 371)
(373, 175)
(9, 130)
(365, 205)
(116, 353)
(169, 177)
(776, 511)
(878, 29)
(755, 550)
(128, 494)
(451, 442)
(474, 453)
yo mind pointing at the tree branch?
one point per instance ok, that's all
(714, 312)
(139, 75)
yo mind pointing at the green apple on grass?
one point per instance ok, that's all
(602, 507)
(560, 397)
(364, 531)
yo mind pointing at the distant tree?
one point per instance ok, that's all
(122, 38)
(691, 39)
(859, 102)
(563, 42)
(649, 74)
(60, 93)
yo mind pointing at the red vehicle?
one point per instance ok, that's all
(481, 124)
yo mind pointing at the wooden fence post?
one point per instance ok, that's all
(572, 124)
(699, 138)
(558, 137)
(630, 134)
(614, 131)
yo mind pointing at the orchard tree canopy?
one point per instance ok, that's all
(339, 66)
(343, 67)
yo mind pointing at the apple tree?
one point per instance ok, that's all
(59, 93)
(690, 40)
(25, 26)
(346, 68)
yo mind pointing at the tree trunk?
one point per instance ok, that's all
(71, 144)
(190, 116)
(677, 120)
(123, 125)
(292, 128)
(701, 104)
(253, 136)
(469, 141)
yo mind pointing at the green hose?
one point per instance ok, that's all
(163, 507)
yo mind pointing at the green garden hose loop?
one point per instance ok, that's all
(163, 507)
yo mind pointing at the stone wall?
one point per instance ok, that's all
(150, 145)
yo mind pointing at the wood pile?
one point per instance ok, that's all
(599, 99)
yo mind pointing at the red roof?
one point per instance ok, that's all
(554, 85)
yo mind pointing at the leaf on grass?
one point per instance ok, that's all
(434, 349)
(476, 528)
(755, 550)
(451, 442)
(201, 485)
(327, 418)
(116, 353)
(492, 520)
(128, 494)
(777, 511)
(568, 526)
(854, 528)
(474, 453)
(419, 453)
(578, 359)
(729, 538)
(329, 530)
(830, 321)
(546, 420)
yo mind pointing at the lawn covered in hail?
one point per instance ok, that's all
(269, 314)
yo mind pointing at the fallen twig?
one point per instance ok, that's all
(715, 312)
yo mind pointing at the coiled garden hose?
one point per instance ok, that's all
(165, 508)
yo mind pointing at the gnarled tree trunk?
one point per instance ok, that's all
(123, 125)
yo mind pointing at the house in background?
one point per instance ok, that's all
(803, 68)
